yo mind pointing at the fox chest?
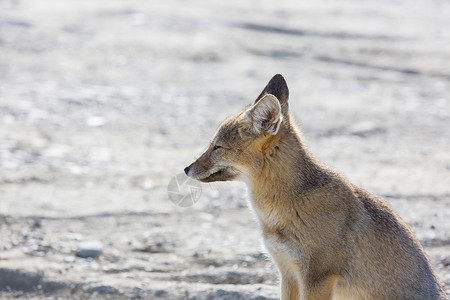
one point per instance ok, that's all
(277, 241)
(279, 247)
(271, 223)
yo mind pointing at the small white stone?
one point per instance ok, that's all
(89, 249)
(147, 185)
(95, 121)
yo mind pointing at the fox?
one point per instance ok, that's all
(328, 238)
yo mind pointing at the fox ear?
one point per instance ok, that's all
(265, 115)
(277, 86)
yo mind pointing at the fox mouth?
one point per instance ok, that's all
(211, 177)
(224, 174)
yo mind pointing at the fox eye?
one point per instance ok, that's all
(216, 147)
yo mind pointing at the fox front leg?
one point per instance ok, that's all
(290, 289)
(319, 290)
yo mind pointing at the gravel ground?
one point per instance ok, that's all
(103, 102)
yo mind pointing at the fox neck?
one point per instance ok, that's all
(286, 171)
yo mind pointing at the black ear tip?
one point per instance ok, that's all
(278, 76)
(278, 80)
(277, 86)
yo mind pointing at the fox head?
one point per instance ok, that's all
(243, 143)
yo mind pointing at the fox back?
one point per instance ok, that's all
(328, 238)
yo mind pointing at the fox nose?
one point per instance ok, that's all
(186, 170)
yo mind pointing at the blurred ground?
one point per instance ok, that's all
(103, 102)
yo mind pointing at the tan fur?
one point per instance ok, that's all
(329, 238)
